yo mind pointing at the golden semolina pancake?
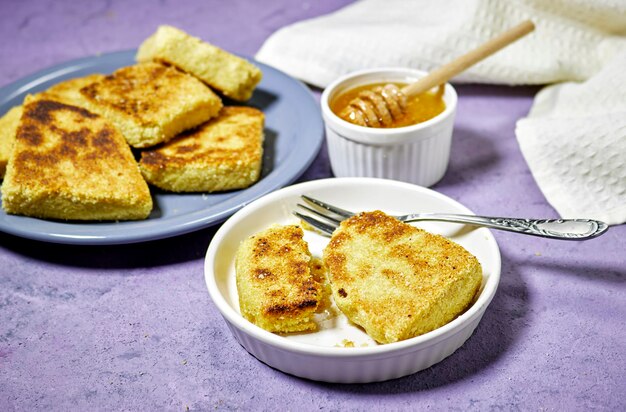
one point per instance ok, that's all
(71, 164)
(222, 154)
(67, 91)
(278, 282)
(395, 280)
(151, 103)
(8, 128)
(231, 75)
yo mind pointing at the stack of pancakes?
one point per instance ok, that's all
(68, 152)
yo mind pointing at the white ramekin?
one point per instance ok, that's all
(416, 154)
(318, 355)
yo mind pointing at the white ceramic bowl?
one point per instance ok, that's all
(416, 154)
(319, 355)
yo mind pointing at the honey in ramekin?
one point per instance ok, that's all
(420, 108)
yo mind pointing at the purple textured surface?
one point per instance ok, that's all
(132, 327)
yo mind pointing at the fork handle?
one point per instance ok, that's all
(567, 229)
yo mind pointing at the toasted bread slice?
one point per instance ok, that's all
(398, 281)
(151, 103)
(8, 128)
(233, 76)
(278, 291)
(68, 163)
(223, 154)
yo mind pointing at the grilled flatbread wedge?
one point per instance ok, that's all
(71, 164)
(277, 280)
(151, 103)
(222, 154)
(397, 281)
(231, 75)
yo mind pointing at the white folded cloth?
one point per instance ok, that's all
(574, 40)
(574, 141)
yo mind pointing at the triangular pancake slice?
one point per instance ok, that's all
(231, 75)
(68, 91)
(71, 164)
(8, 127)
(151, 103)
(397, 281)
(222, 154)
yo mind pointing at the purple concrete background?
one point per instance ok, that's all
(132, 327)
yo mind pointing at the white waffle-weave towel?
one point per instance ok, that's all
(574, 141)
(574, 148)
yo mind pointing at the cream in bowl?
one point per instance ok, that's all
(414, 149)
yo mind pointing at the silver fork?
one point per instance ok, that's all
(328, 217)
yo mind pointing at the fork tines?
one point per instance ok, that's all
(322, 216)
(333, 209)
(317, 224)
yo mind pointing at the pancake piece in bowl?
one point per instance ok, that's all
(278, 282)
(397, 281)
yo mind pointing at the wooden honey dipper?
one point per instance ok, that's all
(380, 106)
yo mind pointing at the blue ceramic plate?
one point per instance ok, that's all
(293, 134)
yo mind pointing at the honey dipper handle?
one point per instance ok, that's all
(456, 66)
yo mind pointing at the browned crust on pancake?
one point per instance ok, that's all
(398, 281)
(222, 154)
(151, 103)
(277, 290)
(69, 163)
(188, 147)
